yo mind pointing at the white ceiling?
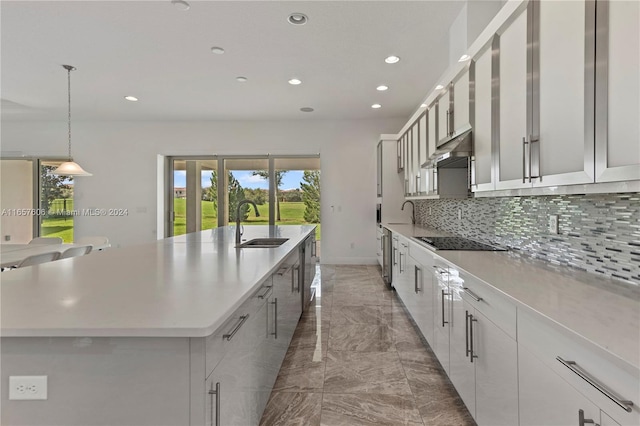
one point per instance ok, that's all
(161, 55)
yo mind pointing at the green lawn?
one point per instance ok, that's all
(291, 214)
(55, 227)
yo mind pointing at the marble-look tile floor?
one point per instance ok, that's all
(356, 359)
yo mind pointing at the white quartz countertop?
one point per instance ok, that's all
(185, 286)
(602, 310)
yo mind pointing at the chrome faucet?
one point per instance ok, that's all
(240, 204)
(413, 211)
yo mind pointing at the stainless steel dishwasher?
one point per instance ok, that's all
(387, 266)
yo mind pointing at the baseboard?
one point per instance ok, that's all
(326, 260)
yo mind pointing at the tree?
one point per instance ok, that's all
(53, 187)
(311, 195)
(257, 195)
(235, 195)
(264, 174)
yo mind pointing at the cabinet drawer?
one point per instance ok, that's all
(494, 305)
(601, 377)
(217, 344)
(422, 255)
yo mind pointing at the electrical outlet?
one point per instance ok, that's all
(429, 211)
(27, 387)
(353, 245)
(7, 237)
(553, 224)
(459, 214)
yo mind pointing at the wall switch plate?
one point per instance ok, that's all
(27, 387)
(553, 224)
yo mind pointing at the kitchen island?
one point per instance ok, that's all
(135, 335)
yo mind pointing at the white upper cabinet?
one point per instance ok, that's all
(422, 139)
(459, 117)
(444, 109)
(618, 91)
(482, 162)
(512, 72)
(561, 131)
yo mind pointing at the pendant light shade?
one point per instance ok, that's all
(69, 168)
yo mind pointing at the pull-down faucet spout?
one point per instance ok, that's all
(240, 204)
(413, 211)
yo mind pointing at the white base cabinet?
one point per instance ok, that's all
(255, 341)
(546, 399)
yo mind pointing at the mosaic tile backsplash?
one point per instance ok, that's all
(598, 233)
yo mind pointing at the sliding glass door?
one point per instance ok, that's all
(204, 192)
(192, 194)
(245, 178)
(298, 191)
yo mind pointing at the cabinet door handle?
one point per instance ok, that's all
(415, 284)
(400, 262)
(443, 295)
(215, 392)
(530, 171)
(582, 421)
(295, 269)
(621, 402)
(448, 129)
(471, 321)
(524, 160)
(472, 294)
(533, 140)
(230, 335)
(315, 249)
(466, 333)
(263, 295)
(275, 318)
(472, 171)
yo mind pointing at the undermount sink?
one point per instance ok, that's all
(263, 243)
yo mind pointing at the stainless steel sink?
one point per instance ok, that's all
(263, 243)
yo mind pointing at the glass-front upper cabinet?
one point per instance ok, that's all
(482, 122)
(617, 91)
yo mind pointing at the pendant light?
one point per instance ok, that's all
(69, 168)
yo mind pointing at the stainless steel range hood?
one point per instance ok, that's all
(453, 152)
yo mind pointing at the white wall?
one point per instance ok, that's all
(123, 157)
(16, 193)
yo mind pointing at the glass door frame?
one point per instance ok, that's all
(36, 186)
(169, 182)
(221, 195)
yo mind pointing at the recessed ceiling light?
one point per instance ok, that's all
(382, 88)
(297, 18)
(217, 50)
(423, 105)
(131, 98)
(181, 5)
(464, 58)
(439, 87)
(295, 81)
(376, 106)
(392, 59)
(306, 109)
(241, 79)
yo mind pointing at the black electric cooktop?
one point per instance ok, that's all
(457, 243)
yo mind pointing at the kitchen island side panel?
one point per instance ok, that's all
(114, 381)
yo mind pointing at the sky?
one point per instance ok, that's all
(291, 179)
